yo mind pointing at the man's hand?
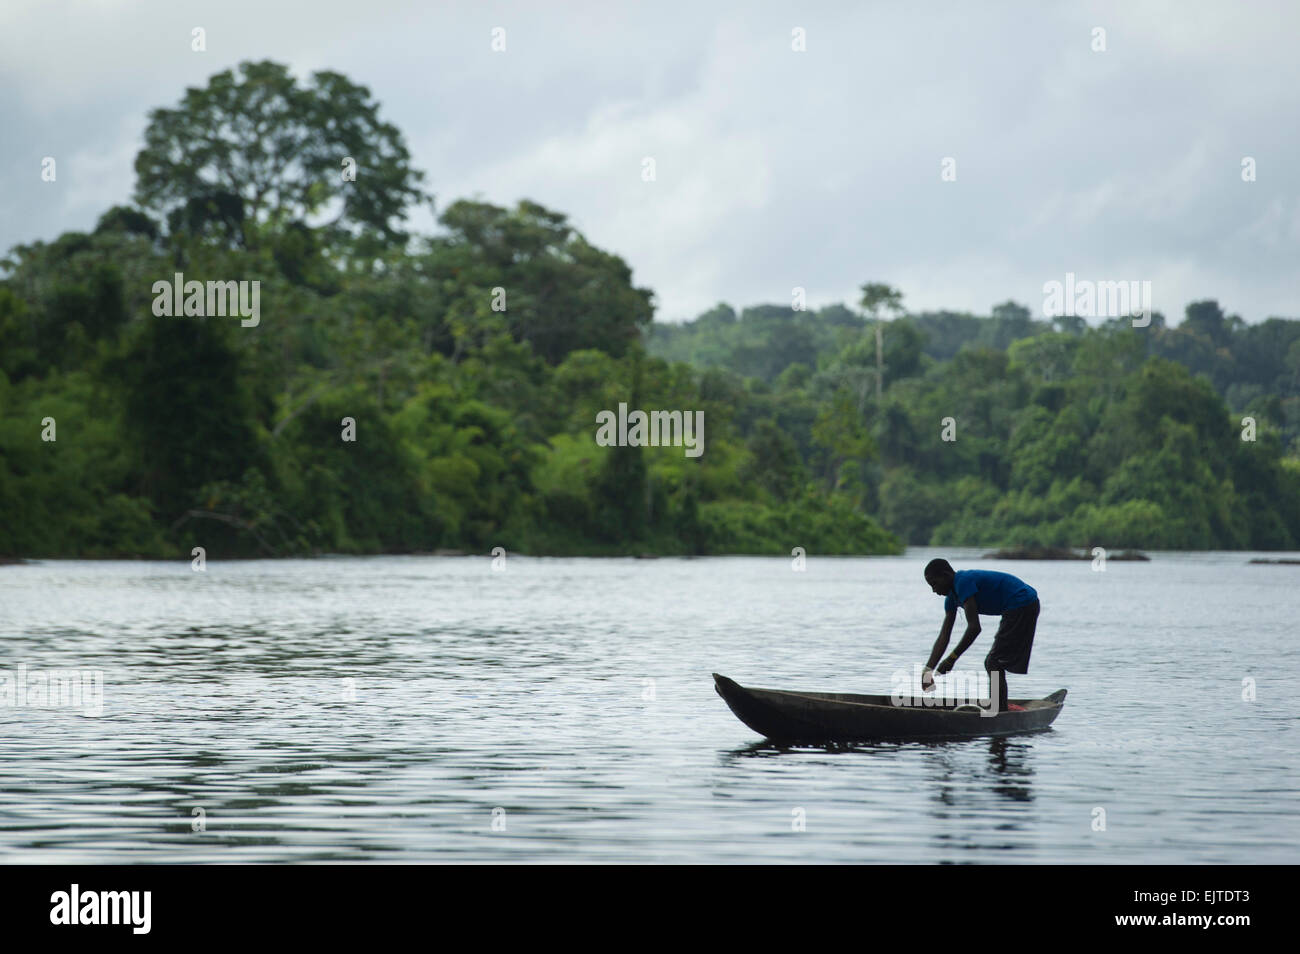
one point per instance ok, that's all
(945, 667)
(927, 679)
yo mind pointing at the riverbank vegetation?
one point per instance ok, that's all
(471, 365)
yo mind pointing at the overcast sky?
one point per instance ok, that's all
(775, 168)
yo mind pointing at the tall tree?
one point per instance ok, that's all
(878, 297)
(527, 270)
(254, 151)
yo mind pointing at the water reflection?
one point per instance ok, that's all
(1009, 763)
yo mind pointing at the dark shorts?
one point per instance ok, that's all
(1014, 640)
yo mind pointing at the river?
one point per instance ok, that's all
(416, 709)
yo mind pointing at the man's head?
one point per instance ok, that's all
(939, 574)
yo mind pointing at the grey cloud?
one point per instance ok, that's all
(775, 169)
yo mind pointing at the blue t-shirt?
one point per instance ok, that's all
(995, 593)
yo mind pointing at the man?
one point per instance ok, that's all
(988, 593)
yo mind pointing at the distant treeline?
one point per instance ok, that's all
(1255, 367)
(408, 393)
(1063, 434)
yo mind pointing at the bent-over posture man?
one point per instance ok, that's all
(987, 593)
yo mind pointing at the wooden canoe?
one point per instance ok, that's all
(820, 717)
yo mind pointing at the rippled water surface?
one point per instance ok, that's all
(432, 709)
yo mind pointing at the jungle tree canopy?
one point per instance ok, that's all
(255, 150)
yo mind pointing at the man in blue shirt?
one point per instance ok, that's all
(984, 593)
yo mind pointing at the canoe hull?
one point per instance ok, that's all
(821, 717)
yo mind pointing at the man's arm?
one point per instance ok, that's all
(940, 644)
(972, 630)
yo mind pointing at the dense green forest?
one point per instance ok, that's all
(1063, 434)
(407, 393)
